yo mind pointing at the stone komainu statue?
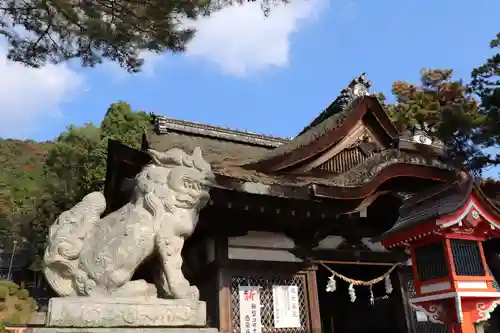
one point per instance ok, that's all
(90, 256)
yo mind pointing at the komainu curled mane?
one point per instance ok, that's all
(90, 256)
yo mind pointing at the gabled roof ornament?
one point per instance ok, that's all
(356, 89)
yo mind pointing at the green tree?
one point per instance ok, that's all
(120, 123)
(445, 108)
(93, 30)
(486, 85)
(74, 162)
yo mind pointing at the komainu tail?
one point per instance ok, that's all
(65, 242)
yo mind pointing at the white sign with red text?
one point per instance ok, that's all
(250, 309)
(286, 307)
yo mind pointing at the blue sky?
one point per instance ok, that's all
(268, 76)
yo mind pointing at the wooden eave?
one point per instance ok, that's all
(331, 138)
(121, 157)
(310, 189)
(390, 172)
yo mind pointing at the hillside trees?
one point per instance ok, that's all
(5, 209)
(42, 31)
(20, 185)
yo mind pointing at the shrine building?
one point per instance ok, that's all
(297, 222)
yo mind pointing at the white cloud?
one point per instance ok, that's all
(28, 95)
(240, 40)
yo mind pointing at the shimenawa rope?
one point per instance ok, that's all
(332, 285)
(361, 282)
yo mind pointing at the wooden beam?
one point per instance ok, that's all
(352, 262)
(355, 256)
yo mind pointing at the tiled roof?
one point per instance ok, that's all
(313, 133)
(433, 203)
(218, 144)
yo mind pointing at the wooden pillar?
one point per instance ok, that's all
(223, 284)
(467, 321)
(401, 301)
(224, 307)
(313, 300)
(467, 326)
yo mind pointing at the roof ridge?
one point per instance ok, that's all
(165, 124)
(357, 88)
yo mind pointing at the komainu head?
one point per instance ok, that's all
(179, 180)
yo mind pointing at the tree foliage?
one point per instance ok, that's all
(466, 117)
(41, 31)
(444, 107)
(16, 305)
(486, 85)
(93, 30)
(120, 123)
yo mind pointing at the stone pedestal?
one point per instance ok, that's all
(101, 313)
(121, 330)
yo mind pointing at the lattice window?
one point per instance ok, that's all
(467, 257)
(431, 261)
(495, 282)
(343, 161)
(415, 325)
(266, 301)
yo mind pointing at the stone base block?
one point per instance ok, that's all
(122, 330)
(118, 312)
